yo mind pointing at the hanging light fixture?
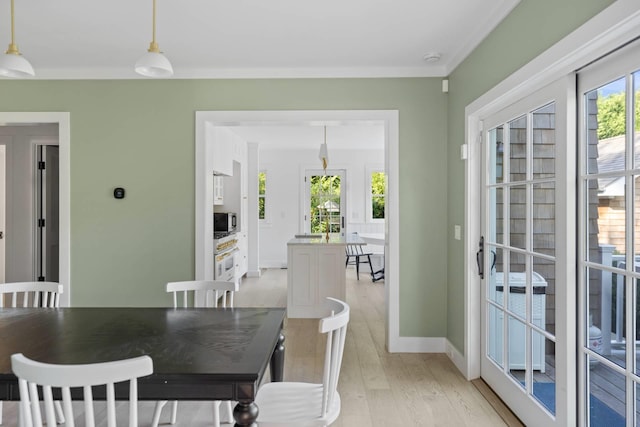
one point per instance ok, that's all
(324, 154)
(12, 63)
(154, 63)
(324, 157)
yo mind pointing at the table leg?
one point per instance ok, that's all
(245, 413)
(277, 360)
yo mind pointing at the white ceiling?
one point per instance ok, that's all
(66, 39)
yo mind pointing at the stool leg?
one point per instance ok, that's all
(358, 267)
(370, 265)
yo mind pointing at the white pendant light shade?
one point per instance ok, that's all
(154, 64)
(12, 63)
(324, 152)
(15, 66)
(324, 155)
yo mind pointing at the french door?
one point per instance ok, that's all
(324, 206)
(523, 256)
(609, 252)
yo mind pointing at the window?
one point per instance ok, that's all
(262, 195)
(378, 185)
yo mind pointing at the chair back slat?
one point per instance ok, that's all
(335, 326)
(212, 289)
(31, 374)
(32, 294)
(48, 403)
(88, 406)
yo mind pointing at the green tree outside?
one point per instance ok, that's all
(378, 185)
(325, 203)
(612, 114)
(262, 191)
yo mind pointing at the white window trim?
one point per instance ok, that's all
(369, 169)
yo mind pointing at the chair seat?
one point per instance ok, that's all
(294, 404)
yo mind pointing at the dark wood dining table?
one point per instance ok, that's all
(198, 353)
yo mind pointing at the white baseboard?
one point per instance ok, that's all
(432, 345)
(458, 359)
(419, 345)
(273, 264)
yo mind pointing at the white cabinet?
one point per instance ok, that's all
(218, 190)
(242, 263)
(222, 151)
(314, 271)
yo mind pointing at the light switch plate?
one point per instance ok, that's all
(456, 232)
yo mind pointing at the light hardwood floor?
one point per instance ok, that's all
(377, 388)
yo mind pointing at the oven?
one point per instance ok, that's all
(224, 258)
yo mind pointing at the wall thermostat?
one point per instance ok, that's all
(118, 193)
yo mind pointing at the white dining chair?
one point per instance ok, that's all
(32, 294)
(215, 295)
(306, 404)
(32, 374)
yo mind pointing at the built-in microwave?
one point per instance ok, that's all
(224, 221)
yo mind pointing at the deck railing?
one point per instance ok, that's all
(613, 335)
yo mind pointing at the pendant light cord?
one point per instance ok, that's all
(153, 37)
(12, 24)
(153, 47)
(13, 49)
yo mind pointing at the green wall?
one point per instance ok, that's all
(531, 28)
(139, 134)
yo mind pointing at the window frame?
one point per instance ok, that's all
(369, 170)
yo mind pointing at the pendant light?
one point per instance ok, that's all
(154, 63)
(324, 157)
(324, 154)
(12, 63)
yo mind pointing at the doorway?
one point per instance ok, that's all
(62, 120)
(389, 119)
(592, 41)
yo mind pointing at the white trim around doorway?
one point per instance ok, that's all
(388, 118)
(64, 142)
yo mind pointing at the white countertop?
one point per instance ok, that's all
(338, 240)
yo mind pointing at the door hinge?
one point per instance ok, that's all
(41, 165)
(41, 222)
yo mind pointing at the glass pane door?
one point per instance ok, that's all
(609, 92)
(521, 265)
(325, 202)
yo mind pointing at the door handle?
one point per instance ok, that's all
(480, 257)
(342, 222)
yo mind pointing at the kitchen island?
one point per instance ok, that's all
(316, 270)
